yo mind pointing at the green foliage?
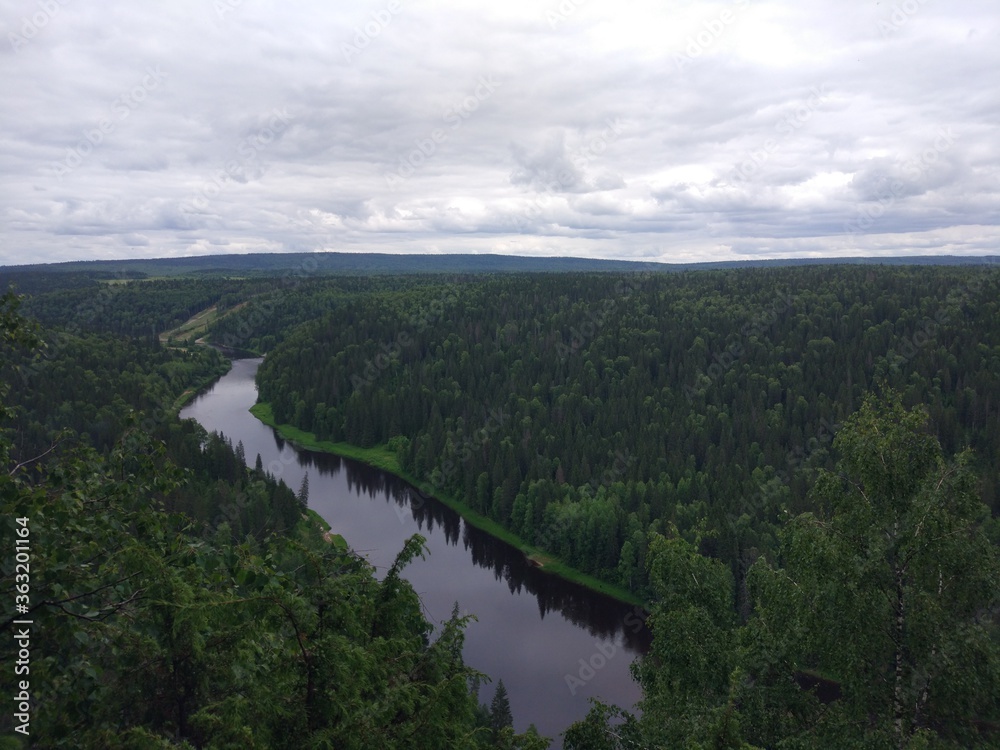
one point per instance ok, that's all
(661, 432)
(604, 728)
(139, 308)
(95, 385)
(878, 630)
(147, 627)
(892, 586)
(500, 715)
(14, 330)
(583, 412)
(154, 630)
(686, 675)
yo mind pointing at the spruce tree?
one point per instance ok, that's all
(304, 490)
(500, 715)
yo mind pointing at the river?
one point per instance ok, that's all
(554, 644)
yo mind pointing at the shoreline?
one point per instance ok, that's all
(383, 459)
(191, 393)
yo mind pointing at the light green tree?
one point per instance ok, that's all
(687, 677)
(890, 588)
(874, 629)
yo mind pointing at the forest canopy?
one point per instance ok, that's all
(795, 468)
(587, 412)
(173, 588)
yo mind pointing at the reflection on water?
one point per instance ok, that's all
(546, 638)
(601, 616)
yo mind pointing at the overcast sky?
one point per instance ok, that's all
(670, 130)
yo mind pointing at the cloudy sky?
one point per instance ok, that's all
(670, 130)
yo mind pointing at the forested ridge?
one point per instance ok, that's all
(874, 626)
(773, 459)
(275, 265)
(178, 597)
(587, 412)
(789, 465)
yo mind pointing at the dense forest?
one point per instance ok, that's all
(873, 627)
(173, 589)
(587, 412)
(796, 468)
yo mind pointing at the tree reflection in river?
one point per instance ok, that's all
(602, 616)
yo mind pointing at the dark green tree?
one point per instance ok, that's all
(500, 715)
(154, 631)
(877, 631)
(303, 494)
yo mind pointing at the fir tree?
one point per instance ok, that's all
(500, 715)
(304, 490)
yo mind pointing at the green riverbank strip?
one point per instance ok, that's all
(312, 522)
(382, 458)
(191, 393)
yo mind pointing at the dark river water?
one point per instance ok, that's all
(553, 643)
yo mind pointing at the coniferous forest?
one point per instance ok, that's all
(796, 470)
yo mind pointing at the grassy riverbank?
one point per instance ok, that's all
(382, 458)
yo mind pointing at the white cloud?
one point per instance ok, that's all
(672, 130)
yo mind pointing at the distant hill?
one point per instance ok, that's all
(381, 263)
